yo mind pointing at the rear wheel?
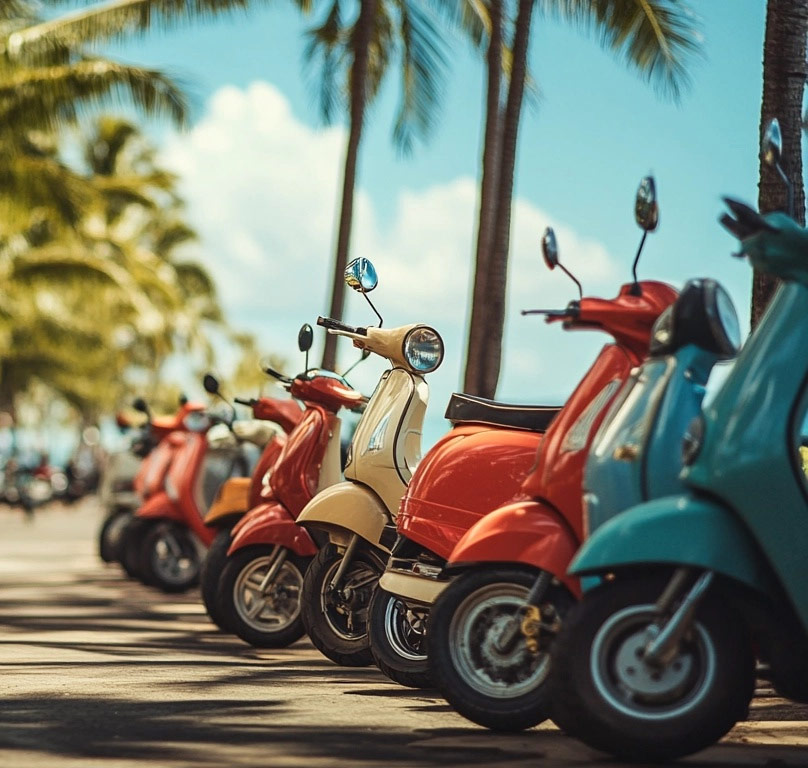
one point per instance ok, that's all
(211, 573)
(397, 632)
(610, 698)
(131, 542)
(264, 613)
(169, 557)
(490, 670)
(110, 535)
(337, 619)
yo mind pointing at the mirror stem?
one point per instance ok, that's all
(376, 311)
(635, 288)
(574, 280)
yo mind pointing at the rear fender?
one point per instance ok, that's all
(680, 530)
(271, 524)
(527, 532)
(344, 509)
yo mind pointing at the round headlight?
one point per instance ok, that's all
(196, 421)
(692, 440)
(662, 332)
(423, 349)
(723, 319)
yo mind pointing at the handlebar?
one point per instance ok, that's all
(244, 401)
(336, 325)
(747, 221)
(276, 375)
(571, 312)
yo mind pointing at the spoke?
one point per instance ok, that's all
(256, 608)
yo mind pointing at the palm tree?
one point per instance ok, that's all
(354, 59)
(784, 77)
(655, 37)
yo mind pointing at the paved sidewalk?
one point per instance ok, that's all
(99, 671)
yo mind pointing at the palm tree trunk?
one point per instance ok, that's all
(362, 35)
(784, 76)
(496, 282)
(488, 203)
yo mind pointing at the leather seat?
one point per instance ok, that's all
(464, 408)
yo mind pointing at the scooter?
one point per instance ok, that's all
(488, 668)
(168, 534)
(659, 660)
(259, 588)
(237, 495)
(358, 514)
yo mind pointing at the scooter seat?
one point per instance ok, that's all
(464, 408)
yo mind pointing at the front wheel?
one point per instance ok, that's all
(611, 699)
(111, 533)
(259, 595)
(483, 661)
(169, 558)
(210, 574)
(336, 619)
(397, 633)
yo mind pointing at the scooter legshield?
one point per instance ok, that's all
(527, 532)
(271, 524)
(160, 506)
(680, 530)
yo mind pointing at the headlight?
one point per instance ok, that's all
(423, 349)
(196, 421)
(693, 440)
(703, 315)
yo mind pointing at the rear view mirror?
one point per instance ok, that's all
(139, 404)
(305, 338)
(771, 148)
(360, 274)
(211, 384)
(646, 209)
(549, 248)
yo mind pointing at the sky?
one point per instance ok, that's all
(261, 175)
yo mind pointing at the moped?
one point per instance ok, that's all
(237, 495)
(489, 669)
(659, 660)
(358, 514)
(259, 591)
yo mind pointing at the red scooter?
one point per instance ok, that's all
(491, 628)
(258, 596)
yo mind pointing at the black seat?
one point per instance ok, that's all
(468, 408)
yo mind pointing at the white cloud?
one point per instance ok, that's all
(262, 187)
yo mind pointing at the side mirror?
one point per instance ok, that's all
(211, 384)
(360, 274)
(646, 209)
(305, 338)
(771, 148)
(549, 248)
(139, 404)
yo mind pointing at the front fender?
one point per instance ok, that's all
(270, 524)
(527, 532)
(678, 530)
(344, 509)
(160, 507)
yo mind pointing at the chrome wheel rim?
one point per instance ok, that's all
(473, 633)
(346, 608)
(405, 629)
(631, 686)
(274, 607)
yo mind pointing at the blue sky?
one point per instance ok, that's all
(261, 175)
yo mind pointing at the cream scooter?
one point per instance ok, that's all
(359, 514)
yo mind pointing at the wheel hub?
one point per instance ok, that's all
(650, 682)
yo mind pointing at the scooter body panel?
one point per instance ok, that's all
(232, 500)
(528, 532)
(467, 473)
(681, 530)
(348, 508)
(272, 524)
(159, 505)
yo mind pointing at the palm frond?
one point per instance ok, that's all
(470, 16)
(324, 60)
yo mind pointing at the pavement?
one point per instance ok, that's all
(96, 670)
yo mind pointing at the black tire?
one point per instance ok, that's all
(340, 636)
(111, 533)
(211, 574)
(501, 690)
(699, 696)
(279, 623)
(131, 541)
(398, 639)
(169, 558)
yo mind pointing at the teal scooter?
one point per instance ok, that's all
(659, 660)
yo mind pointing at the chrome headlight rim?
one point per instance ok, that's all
(407, 348)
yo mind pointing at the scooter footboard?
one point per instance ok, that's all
(526, 532)
(348, 508)
(678, 530)
(272, 524)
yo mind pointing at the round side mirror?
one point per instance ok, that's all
(549, 248)
(771, 148)
(183, 400)
(211, 384)
(360, 274)
(646, 209)
(305, 338)
(139, 404)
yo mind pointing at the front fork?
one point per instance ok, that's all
(527, 621)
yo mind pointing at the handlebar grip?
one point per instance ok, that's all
(243, 401)
(336, 325)
(276, 374)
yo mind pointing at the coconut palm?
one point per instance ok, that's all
(784, 77)
(655, 37)
(354, 58)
